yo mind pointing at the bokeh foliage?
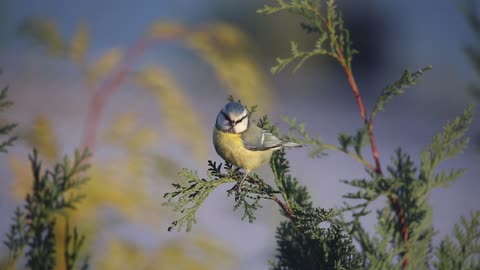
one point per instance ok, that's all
(224, 47)
(6, 128)
(54, 192)
(123, 187)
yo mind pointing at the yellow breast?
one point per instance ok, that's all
(230, 147)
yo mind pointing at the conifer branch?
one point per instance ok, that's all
(73, 243)
(363, 114)
(463, 252)
(6, 129)
(189, 195)
(328, 24)
(33, 225)
(319, 146)
(284, 207)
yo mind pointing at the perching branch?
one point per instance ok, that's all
(189, 195)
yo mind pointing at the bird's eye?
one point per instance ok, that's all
(241, 119)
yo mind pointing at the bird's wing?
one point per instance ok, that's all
(257, 139)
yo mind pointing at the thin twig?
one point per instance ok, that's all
(376, 157)
(403, 223)
(284, 207)
(363, 114)
(358, 158)
(353, 85)
(108, 88)
(338, 55)
(112, 83)
(378, 169)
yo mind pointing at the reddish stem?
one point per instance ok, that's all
(107, 89)
(378, 169)
(284, 207)
(363, 114)
(112, 83)
(403, 223)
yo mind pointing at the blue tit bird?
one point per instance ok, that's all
(242, 143)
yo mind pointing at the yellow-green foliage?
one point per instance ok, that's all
(127, 182)
(226, 49)
(184, 254)
(179, 114)
(103, 65)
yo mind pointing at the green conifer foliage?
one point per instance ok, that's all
(32, 229)
(463, 252)
(6, 129)
(317, 238)
(31, 232)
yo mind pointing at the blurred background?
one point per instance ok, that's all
(141, 82)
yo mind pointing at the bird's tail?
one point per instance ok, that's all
(292, 144)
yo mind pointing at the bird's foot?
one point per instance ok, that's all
(236, 189)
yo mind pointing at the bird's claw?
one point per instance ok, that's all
(237, 190)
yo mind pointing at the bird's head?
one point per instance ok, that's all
(232, 118)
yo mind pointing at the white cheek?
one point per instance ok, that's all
(241, 127)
